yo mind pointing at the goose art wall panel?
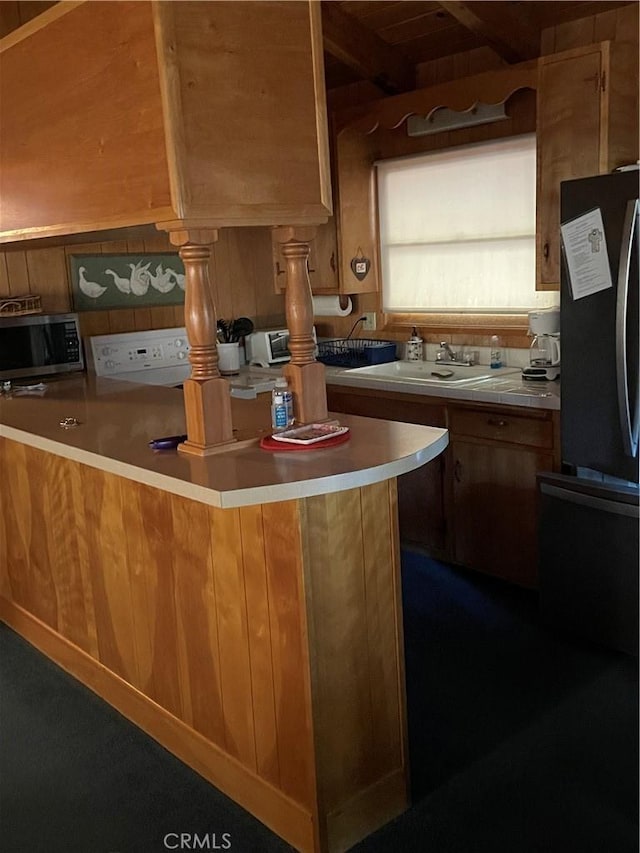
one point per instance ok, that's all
(126, 281)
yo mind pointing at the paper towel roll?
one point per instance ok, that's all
(331, 306)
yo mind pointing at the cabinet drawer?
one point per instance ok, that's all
(534, 432)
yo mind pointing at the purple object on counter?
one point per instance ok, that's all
(169, 442)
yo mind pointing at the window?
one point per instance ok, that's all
(457, 230)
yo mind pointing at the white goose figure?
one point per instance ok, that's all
(89, 288)
(178, 277)
(123, 284)
(139, 278)
(162, 280)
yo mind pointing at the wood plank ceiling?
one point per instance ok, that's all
(384, 40)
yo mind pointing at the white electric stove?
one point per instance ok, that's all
(160, 357)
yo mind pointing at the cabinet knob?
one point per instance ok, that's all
(497, 422)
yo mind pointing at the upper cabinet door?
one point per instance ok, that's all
(587, 125)
(568, 133)
(323, 265)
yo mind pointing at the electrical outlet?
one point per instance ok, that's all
(369, 324)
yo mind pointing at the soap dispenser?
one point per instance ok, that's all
(414, 346)
(496, 352)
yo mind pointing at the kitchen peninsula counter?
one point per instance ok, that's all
(117, 420)
(244, 609)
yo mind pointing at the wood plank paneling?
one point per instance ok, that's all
(150, 563)
(345, 755)
(84, 557)
(293, 822)
(17, 273)
(5, 588)
(270, 634)
(47, 275)
(352, 585)
(18, 519)
(66, 554)
(281, 524)
(240, 272)
(196, 619)
(382, 626)
(104, 514)
(4, 276)
(233, 634)
(30, 472)
(260, 644)
(574, 34)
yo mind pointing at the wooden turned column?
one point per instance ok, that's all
(304, 374)
(207, 399)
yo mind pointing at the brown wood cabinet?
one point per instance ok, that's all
(495, 456)
(587, 125)
(167, 118)
(474, 505)
(323, 263)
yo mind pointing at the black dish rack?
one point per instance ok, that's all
(356, 352)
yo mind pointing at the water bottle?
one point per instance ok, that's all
(496, 352)
(281, 405)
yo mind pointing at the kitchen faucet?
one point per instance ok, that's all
(445, 353)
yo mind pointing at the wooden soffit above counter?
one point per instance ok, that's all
(179, 114)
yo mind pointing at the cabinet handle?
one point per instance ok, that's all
(497, 422)
(332, 261)
(457, 471)
(545, 251)
(278, 270)
(595, 78)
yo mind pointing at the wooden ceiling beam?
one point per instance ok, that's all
(505, 30)
(364, 51)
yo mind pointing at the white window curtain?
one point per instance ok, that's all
(457, 229)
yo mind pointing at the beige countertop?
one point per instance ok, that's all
(507, 388)
(118, 419)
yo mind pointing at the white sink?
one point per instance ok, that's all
(431, 373)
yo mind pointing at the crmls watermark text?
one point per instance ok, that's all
(194, 841)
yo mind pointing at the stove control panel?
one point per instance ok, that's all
(130, 352)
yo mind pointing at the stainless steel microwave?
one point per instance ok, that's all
(39, 345)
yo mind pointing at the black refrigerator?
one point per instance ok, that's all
(589, 514)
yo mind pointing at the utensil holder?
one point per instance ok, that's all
(229, 358)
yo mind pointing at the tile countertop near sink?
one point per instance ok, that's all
(479, 383)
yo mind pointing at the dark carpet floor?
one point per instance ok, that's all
(521, 741)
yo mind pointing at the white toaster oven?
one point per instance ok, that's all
(266, 347)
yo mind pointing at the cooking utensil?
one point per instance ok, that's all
(230, 331)
(240, 328)
(223, 332)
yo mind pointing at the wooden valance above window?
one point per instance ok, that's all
(489, 87)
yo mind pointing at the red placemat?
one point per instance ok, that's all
(268, 443)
